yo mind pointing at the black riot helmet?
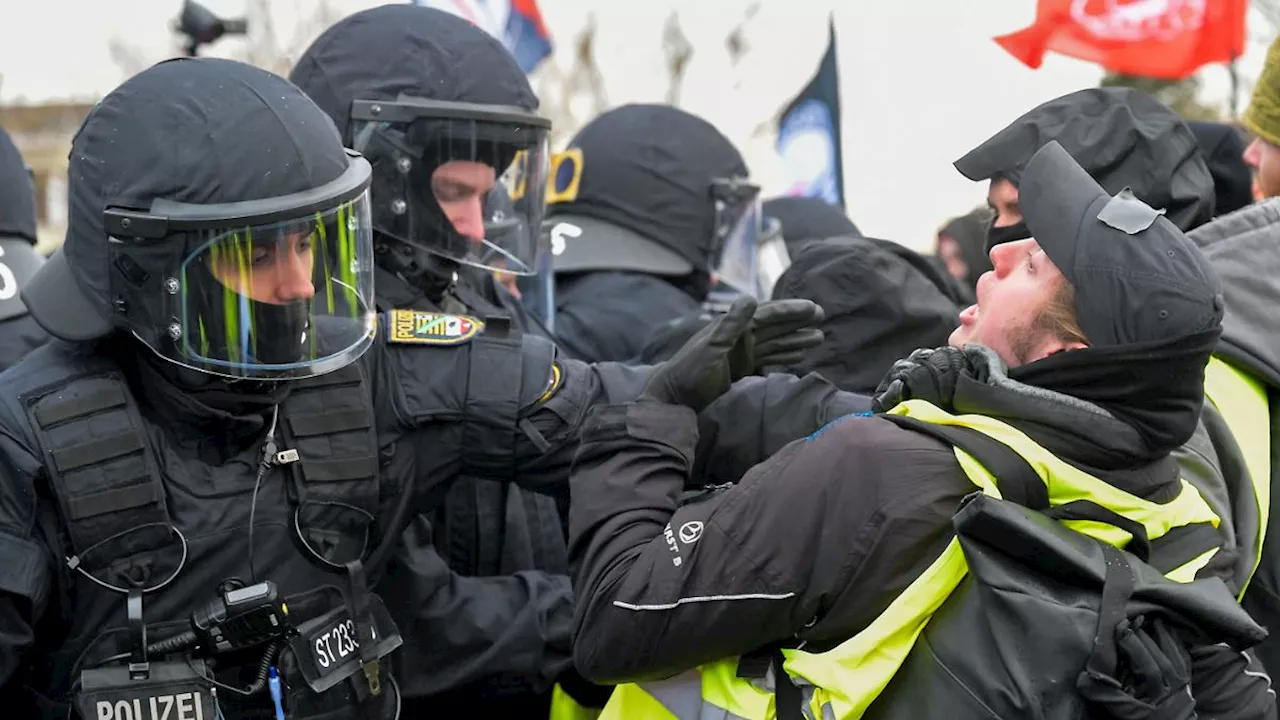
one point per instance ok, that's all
(18, 258)
(654, 189)
(216, 217)
(448, 122)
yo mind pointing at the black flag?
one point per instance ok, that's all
(809, 133)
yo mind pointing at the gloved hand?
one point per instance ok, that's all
(1153, 671)
(926, 374)
(733, 346)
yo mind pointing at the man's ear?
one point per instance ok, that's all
(1057, 346)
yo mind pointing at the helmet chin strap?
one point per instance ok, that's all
(432, 274)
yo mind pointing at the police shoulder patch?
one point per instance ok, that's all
(415, 327)
(553, 383)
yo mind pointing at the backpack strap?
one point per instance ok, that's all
(1019, 483)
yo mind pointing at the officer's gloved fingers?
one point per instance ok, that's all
(775, 318)
(788, 349)
(735, 323)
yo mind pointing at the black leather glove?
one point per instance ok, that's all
(783, 331)
(735, 345)
(1151, 677)
(926, 374)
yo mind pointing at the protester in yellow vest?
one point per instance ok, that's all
(1084, 358)
(1239, 421)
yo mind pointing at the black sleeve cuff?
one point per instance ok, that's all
(674, 426)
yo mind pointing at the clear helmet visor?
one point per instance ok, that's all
(772, 257)
(739, 224)
(537, 293)
(272, 301)
(468, 189)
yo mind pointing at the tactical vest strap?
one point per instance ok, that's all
(99, 464)
(329, 421)
(492, 405)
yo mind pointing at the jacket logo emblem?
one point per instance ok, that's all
(690, 532)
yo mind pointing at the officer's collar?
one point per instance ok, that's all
(195, 405)
(392, 291)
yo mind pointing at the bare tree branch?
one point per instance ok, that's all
(678, 51)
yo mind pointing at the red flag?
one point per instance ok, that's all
(1154, 38)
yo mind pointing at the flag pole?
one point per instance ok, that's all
(1234, 72)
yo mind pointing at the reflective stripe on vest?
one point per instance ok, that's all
(841, 683)
(1242, 401)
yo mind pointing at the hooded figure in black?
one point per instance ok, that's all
(1223, 147)
(806, 219)
(19, 332)
(962, 249)
(636, 226)
(878, 307)
(1120, 136)
(915, 298)
(411, 54)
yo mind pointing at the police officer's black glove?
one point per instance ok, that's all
(735, 345)
(926, 374)
(784, 331)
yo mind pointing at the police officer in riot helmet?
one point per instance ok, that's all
(216, 281)
(451, 147)
(457, 151)
(19, 332)
(202, 481)
(650, 208)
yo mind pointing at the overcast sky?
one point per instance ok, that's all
(921, 80)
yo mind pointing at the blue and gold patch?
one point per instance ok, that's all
(415, 327)
(565, 176)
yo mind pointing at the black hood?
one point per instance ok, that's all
(805, 219)
(1121, 137)
(1223, 147)
(17, 193)
(387, 51)
(879, 308)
